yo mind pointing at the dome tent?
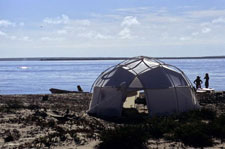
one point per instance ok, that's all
(167, 89)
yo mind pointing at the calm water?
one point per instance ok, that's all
(34, 77)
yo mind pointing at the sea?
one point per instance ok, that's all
(37, 77)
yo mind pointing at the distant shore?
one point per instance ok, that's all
(98, 58)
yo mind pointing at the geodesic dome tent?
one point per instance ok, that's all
(167, 89)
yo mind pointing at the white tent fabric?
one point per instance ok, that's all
(107, 100)
(167, 89)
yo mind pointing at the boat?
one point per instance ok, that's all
(60, 91)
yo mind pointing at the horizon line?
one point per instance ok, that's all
(99, 58)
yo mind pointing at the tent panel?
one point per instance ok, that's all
(151, 63)
(120, 76)
(132, 65)
(95, 97)
(148, 69)
(194, 98)
(185, 98)
(155, 79)
(109, 102)
(107, 72)
(137, 68)
(127, 62)
(177, 78)
(136, 84)
(161, 101)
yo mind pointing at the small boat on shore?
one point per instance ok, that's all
(60, 91)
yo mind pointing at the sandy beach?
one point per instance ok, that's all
(60, 121)
(34, 117)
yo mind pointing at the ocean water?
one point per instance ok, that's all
(37, 77)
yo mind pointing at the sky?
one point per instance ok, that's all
(111, 28)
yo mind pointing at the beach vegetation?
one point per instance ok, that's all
(195, 129)
(128, 136)
(193, 134)
(11, 106)
(11, 135)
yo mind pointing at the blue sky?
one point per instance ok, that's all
(72, 28)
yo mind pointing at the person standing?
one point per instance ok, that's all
(198, 82)
(206, 80)
(79, 88)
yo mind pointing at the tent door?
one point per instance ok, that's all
(136, 100)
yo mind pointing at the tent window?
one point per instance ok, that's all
(178, 81)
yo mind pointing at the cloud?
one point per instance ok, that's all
(63, 19)
(205, 13)
(12, 37)
(206, 30)
(185, 38)
(205, 24)
(218, 20)
(195, 33)
(46, 38)
(164, 35)
(94, 35)
(125, 34)
(82, 22)
(130, 20)
(2, 33)
(156, 28)
(25, 38)
(6, 23)
(21, 24)
(101, 36)
(86, 35)
(63, 31)
(133, 10)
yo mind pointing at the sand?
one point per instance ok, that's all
(26, 118)
(58, 121)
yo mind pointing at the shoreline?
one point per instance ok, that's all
(98, 58)
(47, 94)
(82, 93)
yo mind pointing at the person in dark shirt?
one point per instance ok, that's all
(206, 80)
(198, 82)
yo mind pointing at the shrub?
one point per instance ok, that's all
(193, 134)
(196, 115)
(216, 128)
(129, 136)
(158, 126)
(11, 135)
(13, 105)
(33, 107)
